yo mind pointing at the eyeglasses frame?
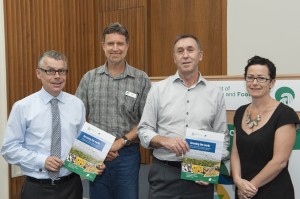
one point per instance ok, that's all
(256, 78)
(60, 72)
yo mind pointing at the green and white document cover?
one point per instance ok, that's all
(89, 149)
(203, 161)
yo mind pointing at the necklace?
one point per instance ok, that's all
(252, 123)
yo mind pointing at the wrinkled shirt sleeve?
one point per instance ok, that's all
(13, 150)
(147, 126)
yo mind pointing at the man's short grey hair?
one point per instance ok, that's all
(54, 55)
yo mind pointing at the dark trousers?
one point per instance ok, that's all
(71, 189)
(165, 182)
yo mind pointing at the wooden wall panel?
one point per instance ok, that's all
(107, 5)
(202, 18)
(130, 13)
(34, 26)
(133, 20)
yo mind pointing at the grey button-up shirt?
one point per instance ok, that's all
(114, 104)
(171, 108)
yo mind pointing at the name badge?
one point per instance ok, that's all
(130, 94)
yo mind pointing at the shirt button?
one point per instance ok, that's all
(40, 170)
(186, 125)
(187, 113)
(188, 101)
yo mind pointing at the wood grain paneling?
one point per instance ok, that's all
(33, 27)
(202, 18)
(106, 5)
(133, 20)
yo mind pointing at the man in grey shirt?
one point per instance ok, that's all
(114, 95)
(183, 100)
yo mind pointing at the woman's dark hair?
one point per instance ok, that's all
(261, 61)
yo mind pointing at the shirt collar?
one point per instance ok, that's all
(176, 78)
(46, 97)
(128, 71)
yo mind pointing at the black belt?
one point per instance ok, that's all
(59, 181)
(176, 164)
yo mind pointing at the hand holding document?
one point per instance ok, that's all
(89, 151)
(203, 161)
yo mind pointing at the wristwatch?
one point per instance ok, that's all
(126, 141)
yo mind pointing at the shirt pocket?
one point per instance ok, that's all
(130, 103)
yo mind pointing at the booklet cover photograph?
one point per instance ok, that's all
(88, 151)
(203, 161)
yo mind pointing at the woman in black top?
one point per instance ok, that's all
(265, 133)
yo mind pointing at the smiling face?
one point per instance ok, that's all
(259, 89)
(115, 48)
(187, 55)
(53, 84)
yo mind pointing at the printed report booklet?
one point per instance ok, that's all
(89, 150)
(203, 161)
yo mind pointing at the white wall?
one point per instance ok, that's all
(271, 29)
(3, 104)
(268, 28)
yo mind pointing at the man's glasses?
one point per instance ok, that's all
(260, 79)
(53, 72)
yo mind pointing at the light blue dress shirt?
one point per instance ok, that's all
(27, 137)
(171, 107)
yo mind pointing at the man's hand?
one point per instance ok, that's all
(53, 163)
(117, 145)
(177, 145)
(113, 152)
(100, 168)
(202, 183)
(111, 156)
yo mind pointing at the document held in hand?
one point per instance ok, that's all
(203, 161)
(88, 151)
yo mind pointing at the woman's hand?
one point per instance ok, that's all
(246, 189)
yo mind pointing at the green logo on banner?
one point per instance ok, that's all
(285, 95)
(231, 132)
(297, 143)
